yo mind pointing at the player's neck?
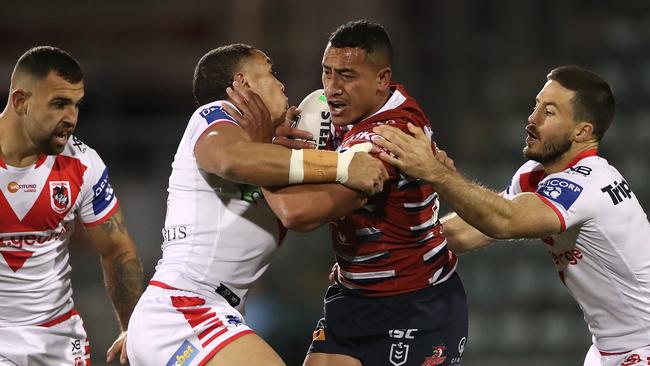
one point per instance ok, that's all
(15, 147)
(568, 157)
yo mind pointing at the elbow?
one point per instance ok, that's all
(297, 220)
(297, 223)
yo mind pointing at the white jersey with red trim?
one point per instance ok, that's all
(603, 252)
(218, 236)
(39, 204)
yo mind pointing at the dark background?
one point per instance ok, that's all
(475, 66)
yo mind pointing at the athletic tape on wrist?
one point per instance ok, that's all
(296, 167)
(342, 174)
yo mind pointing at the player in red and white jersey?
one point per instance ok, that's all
(397, 294)
(49, 178)
(219, 233)
(582, 207)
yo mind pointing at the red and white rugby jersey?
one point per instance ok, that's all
(395, 243)
(216, 232)
(38, 205)
(603, 252)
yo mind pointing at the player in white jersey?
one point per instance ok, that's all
(49, 178)
(219, 233)
(585, 211)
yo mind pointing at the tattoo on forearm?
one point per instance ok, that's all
(114, 224)
(124, 284)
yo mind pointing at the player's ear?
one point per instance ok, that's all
(384, 75)
(241, 78)
(19, 101)
(584, 132)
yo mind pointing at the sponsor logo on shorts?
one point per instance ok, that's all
(632, 359)
(319, 335)
(399, 354)
(235, 320)
(437, 357)
(561, 191)
(183, 355)
(402, 333)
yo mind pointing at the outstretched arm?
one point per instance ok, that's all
(244, 154)
(525, 216)
(461, 236)
(122, 272)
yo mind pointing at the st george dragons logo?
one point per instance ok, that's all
(60, 196)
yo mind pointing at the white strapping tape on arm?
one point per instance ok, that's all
(345, 159)
(296, 167)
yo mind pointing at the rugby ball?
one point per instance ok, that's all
(315, 117)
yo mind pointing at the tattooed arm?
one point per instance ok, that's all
(122, 271)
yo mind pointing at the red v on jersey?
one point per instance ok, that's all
(34, 202)
(16, 258)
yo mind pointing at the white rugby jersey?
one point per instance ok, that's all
(217, 233)
(603, 252)
(38, 205)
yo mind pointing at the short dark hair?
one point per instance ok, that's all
(41, 60)
(215, 71)
(370, 37)
(593, 100)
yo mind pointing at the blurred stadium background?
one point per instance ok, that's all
(475, 66)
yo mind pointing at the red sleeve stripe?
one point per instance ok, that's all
(557, 212)
(106, 217)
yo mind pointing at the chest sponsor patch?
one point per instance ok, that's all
(562, 191)
(214, 113)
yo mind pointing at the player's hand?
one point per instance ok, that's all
(413, 155)
(286, 135)
(366, 174)
(118, 347)
(254, 118)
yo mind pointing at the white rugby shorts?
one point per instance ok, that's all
(180, 328)
(638, 356)
(61, 341)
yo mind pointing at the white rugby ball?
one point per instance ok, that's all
(315, 117)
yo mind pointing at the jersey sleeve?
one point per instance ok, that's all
(98, 200)
(206, 117)
(525, 179)
(367, 134)
(567, 195)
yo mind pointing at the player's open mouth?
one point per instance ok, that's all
(531, 135)
(61, 138)
(336, 108)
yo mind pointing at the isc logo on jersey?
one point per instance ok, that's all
(183, 355)
(561, 191)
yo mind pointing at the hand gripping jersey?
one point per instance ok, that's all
(395, 243)
(603, 252)
(219, 236)
(38, 205)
